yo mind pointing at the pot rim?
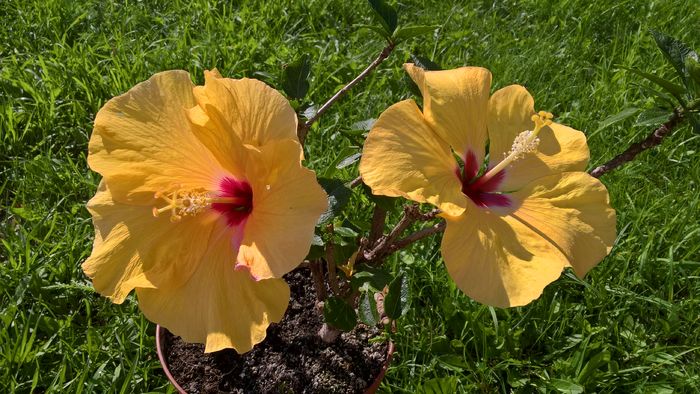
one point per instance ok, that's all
(160, 337)
(163, 363)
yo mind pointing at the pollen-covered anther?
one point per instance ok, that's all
(179, 204)
(193, 202)
(523, 144)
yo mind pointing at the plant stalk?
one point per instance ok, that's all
(652, 140)
(319, 285)
(378, 223)
(417, 236)
(330, 262)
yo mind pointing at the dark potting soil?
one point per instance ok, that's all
(291, 359)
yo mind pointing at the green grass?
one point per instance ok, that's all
(631, 326)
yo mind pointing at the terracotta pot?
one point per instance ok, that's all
(162, 349)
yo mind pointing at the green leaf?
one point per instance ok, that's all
(447, 385)
(597, 361)
(345, 232)
(317, 240)
(693, 66)
(377, 29)
(25, 213)
(363, 125)
(660, 96)
(676, 90)
(375, 277)
(295, 82)
(425, 63)
(310, 111)
(339, 314)
(338, 197)
(386, 15)
(396, 300)
(344, 250)
(675, 52)
(652, 117)
(565, 386)
(368, 308)
(333, 166)
(618, 117)
(408, 32)
(453, 361)
(348, 161)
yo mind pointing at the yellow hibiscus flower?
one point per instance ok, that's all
(203, 205)
(514, 224)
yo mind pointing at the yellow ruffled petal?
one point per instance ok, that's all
(257, 113)
(455, 104)
(134, 249)
(287, 202)
(219, 305)
(498, 260)
(572, 211)
(402, 156)
(143, 141)
(560, 149)
(212, 129)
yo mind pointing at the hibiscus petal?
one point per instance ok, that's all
(143, 142)
(257, 113)
(497, 260)
(455, 104)
(212, 129)
(287, 202)
(219, 305)
(134, 249)
(561, 148)
(402, 156)
(572, 211)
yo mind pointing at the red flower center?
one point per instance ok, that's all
(241, 191)
(484, 194)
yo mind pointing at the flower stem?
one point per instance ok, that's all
(652, 140)
(303, 128)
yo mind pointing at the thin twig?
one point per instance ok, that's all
(304, 127)
(417, 236)
(378, 250)
(355, 182)
(652, 140)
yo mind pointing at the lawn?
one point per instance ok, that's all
(632, 325)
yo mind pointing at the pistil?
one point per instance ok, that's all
(524, 143)
(193, 202)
